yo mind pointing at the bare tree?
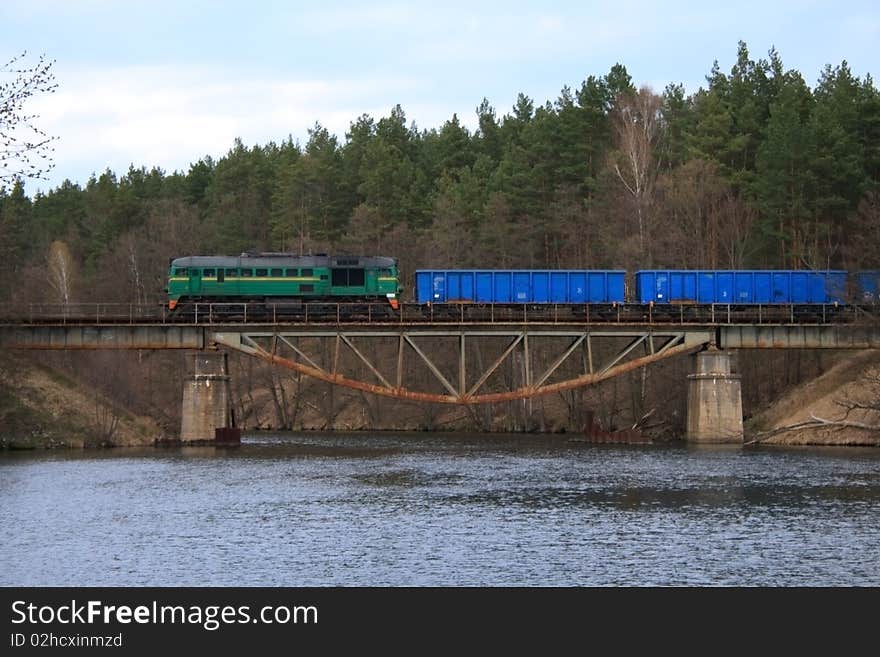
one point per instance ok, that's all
(105, 421)
(637, 129)
(61, 271)
(864, 235)
(735, 223)
(25, 149)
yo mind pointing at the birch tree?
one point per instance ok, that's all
(61, 270)
(637, 126)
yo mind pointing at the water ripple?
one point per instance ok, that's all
(440, 509)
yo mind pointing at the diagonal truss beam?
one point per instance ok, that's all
(366, 362)
(495, 366)
(437, 373)
(546, 375)
(299, 353)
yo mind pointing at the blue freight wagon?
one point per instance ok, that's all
(868, 286)
(520, 286)
(741, 286)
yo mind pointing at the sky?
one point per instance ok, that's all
(166, 83)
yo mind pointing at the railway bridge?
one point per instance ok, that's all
(456, 353)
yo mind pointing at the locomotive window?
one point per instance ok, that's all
(308, 272)
(293, 272)
(262, 272)
(323, 277)
(347, 277)
(277, 272)
(209, 272)
(232, 272)
(384, 272)
(247, 273)
(307, 288)
(182, 271)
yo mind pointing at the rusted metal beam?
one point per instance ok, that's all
(623, 354)
(590, 354)
(400, 345)
(298, 352)
(546, 375)
(251, 347)
(462, 371)
(494, 366)
(437, 373)
(366, 362)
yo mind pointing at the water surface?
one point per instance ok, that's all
(316, 509)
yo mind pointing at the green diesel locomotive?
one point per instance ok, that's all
(282, 278)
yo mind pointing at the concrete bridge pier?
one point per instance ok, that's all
(714, 413)
(206, 412)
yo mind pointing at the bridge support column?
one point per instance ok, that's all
(714, 413)
(206, 414)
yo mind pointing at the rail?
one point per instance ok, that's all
(408, 314)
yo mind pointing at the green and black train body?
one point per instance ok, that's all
(282, 277)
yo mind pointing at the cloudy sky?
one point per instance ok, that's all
(166, 83)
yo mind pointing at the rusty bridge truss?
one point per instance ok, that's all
(527, 361)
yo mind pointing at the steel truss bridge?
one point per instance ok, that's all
(456, 354)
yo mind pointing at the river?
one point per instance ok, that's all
(320, 509)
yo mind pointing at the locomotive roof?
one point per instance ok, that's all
(283, 260)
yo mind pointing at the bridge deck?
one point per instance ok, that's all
(415, 314)
(175, 336)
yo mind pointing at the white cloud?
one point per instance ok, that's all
(150, 116)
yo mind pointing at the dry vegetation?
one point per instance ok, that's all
(44, 407)
(840, 407)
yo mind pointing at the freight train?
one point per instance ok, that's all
(290, 282)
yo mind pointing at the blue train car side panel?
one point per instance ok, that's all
(541, 287)
(503, 287)
(743, 287)
(762, 289)
(705, 286)
(559, 287)
(780, 284)
(799, 291)
(579, 286)
(746, 286)
(867, 283)
(724, 290)
(519, 286)
(682, 285)
(616, 287)
(645, 286)
(424, 287)
(484, 280)
(836, 286)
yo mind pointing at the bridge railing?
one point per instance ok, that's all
(87, 313)
(454, 313)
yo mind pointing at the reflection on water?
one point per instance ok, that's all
(440, 509)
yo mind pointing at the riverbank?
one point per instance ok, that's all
(840, 407)
(42, 408)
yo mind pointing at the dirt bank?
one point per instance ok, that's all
(41, 408)
(829, 410)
